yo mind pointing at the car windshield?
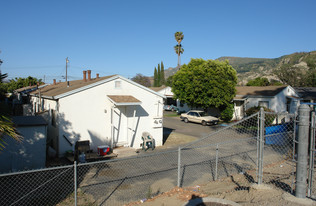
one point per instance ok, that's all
(202, 114)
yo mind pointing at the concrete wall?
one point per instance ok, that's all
(87, 115)
(29, 154)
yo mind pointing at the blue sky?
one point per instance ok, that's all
(129, 37)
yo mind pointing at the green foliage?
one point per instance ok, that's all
(295, 76)
(158, 76)
(169, 81)
(178, 48)
(269, 118)
(162, 75)
(262, 81)
(205, 84)
(17, 83)
(141, 79)
(155, 78)
(258, 82)
(227, 113)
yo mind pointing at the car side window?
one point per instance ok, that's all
(190, 113)
(195, 114)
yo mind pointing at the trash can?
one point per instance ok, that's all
(103, 150)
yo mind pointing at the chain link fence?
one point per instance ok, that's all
(256, 149)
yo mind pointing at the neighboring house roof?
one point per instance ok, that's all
(29, 88)
(307, 93)
(121, 100)
(157, 89)
(267, 91)
(61, 89)
(28, 121)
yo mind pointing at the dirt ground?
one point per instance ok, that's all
(239, 188)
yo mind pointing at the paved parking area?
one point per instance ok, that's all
(174, 124)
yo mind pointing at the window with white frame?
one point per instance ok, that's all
(263, 104)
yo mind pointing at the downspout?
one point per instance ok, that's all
(112, 136)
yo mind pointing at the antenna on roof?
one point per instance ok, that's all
(66, 67)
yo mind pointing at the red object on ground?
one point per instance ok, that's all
(103, 150)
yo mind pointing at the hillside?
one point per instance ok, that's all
(250, 68)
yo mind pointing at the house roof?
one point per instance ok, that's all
(124, 100)
(21, 121)
(157, 89)
(267, 91)
(61, 89)
(307, 93)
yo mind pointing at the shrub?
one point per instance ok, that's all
(227, 113)
(269, 118)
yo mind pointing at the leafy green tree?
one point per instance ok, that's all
(141, 79)
(22, 82)
(162, 75)
(158, 76)
(155, 78)
(259, 81)
(205, 83)
(296, 76)
(169, 81)
(178, 48)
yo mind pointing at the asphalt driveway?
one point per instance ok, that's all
(174, 124)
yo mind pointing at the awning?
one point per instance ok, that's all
(124, 100)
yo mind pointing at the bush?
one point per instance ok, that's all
(227, 113)
(269, 118)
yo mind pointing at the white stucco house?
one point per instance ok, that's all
(166, 91)
(109, 110)
(277, 98)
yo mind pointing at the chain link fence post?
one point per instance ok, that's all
(216, 163)
(311, 155)
(261, 144)
(302, 151)
(179, 166)
(75, 182)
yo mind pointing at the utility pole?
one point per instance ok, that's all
(66, 67)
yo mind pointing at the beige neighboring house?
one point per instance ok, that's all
(109, 110)
(277, 98)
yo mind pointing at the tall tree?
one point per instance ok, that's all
(162, 75)
(178, 48)
(158, 76)
(205, 84)
(155, 78)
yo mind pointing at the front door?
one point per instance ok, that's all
(119, 126)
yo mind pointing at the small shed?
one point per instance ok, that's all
(30, 153)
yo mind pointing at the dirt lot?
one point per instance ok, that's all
(239, 188)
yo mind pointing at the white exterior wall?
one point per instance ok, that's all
(166, 91)
(28, 154)
(86, 115)
(276, 103)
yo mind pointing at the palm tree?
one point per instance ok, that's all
(178, 48)
(6, 125)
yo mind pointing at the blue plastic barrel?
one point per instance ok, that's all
(276, 135)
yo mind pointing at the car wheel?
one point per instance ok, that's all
(172, 109)
(203, 123)
(186, 120)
